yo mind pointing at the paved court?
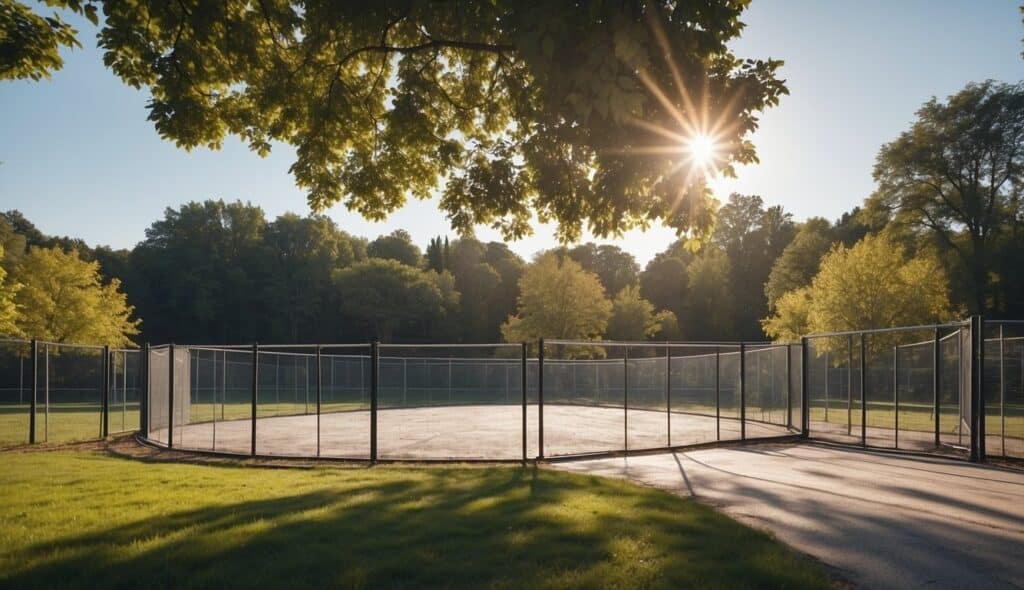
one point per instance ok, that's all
(492, 432)
(883, 520)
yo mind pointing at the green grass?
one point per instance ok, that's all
(84, 519)
(67, 422)
(917, 417)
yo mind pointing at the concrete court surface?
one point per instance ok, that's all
(883, 520)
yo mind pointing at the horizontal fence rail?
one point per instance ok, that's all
(953, 388)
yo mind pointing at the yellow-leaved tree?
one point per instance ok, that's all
(62, 299)
(634, 318)
(8, 310)
(873, 284)
(558, 299)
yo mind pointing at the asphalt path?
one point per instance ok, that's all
(882, 520)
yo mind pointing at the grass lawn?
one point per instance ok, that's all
(917, 417)
(84, 519)
(68, 422)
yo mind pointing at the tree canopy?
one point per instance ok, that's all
(396, 246)
(8, 310)
(511, 111)
(616, 268)
(957, 175)
(874, 284)
(385, 294)
(62, 299)
(634, 318)
(558, 299)
(799, 261)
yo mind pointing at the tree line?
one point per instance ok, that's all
(939, 238)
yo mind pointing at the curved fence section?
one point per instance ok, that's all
(954, 389)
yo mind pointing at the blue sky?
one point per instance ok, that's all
(79, 158)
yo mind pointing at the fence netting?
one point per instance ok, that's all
(1004, 389)
(452, 402)
(906, 388)
(898, 389)
(15, 392)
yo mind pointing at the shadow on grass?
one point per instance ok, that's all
(426, 528)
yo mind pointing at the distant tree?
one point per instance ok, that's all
(752, 237)
(8, 310)
(202, 273)
(304, 252)
(61, 299)
(799, 262)
(874, 284)
(664, 283)
(15, 245)
(854, 224)
(435, 255)
(616, 268)
(396, 246)
(634, 318)
(446, 328)
(708, 313)
(390, 298)
(479, 285)
(791, 317)
(957, 174)
(558, 299)
(509, 267)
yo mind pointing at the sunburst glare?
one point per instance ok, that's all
(702, 149)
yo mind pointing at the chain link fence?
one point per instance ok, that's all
(944, 388)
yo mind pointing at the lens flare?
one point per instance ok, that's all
(702, 149)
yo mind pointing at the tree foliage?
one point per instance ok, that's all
(752, 237)
(61, 299)
(30, 43)
(396, 246)
(799, 261)
(386, 295)
(709, 310)
(874, 284)
(8, 310)
(558, 299)
(957, 174)
(616, 268)
(509, 109)
(634, 318)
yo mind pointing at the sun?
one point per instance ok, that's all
(702, 149)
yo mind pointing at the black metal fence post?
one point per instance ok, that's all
(170, 396)
(863, 390)
(743, 391)
(896, 394)
(668, 392)
(980, 420)
(35, 392)
(849, 385)
(319, 396)
(144, 394)
(540, 399)
(1002, 395)
(805, 409)
(718, 393)
(936, 371)
(524, 358)
(625, 399)
(789, 386)
(374, 376)
(105, 404)
(255, 395)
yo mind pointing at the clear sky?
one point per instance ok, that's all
(79, 158)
